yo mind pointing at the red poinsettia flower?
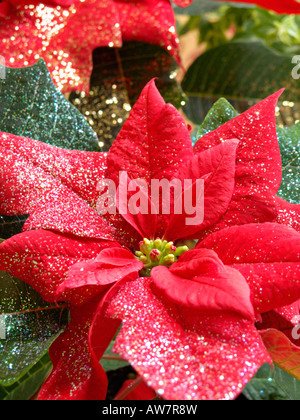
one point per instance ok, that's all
(69, 252)
(65, 33)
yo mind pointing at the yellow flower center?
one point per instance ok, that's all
(154, 252)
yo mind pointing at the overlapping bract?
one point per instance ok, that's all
(189, 329)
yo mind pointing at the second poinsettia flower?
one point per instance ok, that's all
(64, 33)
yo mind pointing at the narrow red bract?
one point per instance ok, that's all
(286, 6)
(189, 328)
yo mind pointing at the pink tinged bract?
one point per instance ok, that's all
(53, 185)
(285, 319)
(79, 171)
(284, 353)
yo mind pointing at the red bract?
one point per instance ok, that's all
(286, 6)
(65, 34)
(258, 165)
(288, 214)
(136, 392)
(189, 329)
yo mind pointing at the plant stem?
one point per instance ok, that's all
(110, 357)
(125, 392)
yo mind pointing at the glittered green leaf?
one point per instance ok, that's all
(221, 112)
(119, 75)
(274, 384)
(112, 361)
(289, 142)
(244, 73)
(28, 326)
(27, 386)
(31, 106)
(289, 385)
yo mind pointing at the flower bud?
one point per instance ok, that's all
(155, 255)
(169, 259)
(181, 250)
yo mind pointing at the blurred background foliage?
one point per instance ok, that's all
(221, 23)
(240, 52)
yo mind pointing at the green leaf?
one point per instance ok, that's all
(272, 385)
(289, 143)
(27, 386)
(221, 112)
(243, 72)
(109, 364)
(289, 385)
(31, 106)
(29, 325)
(119, 75)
